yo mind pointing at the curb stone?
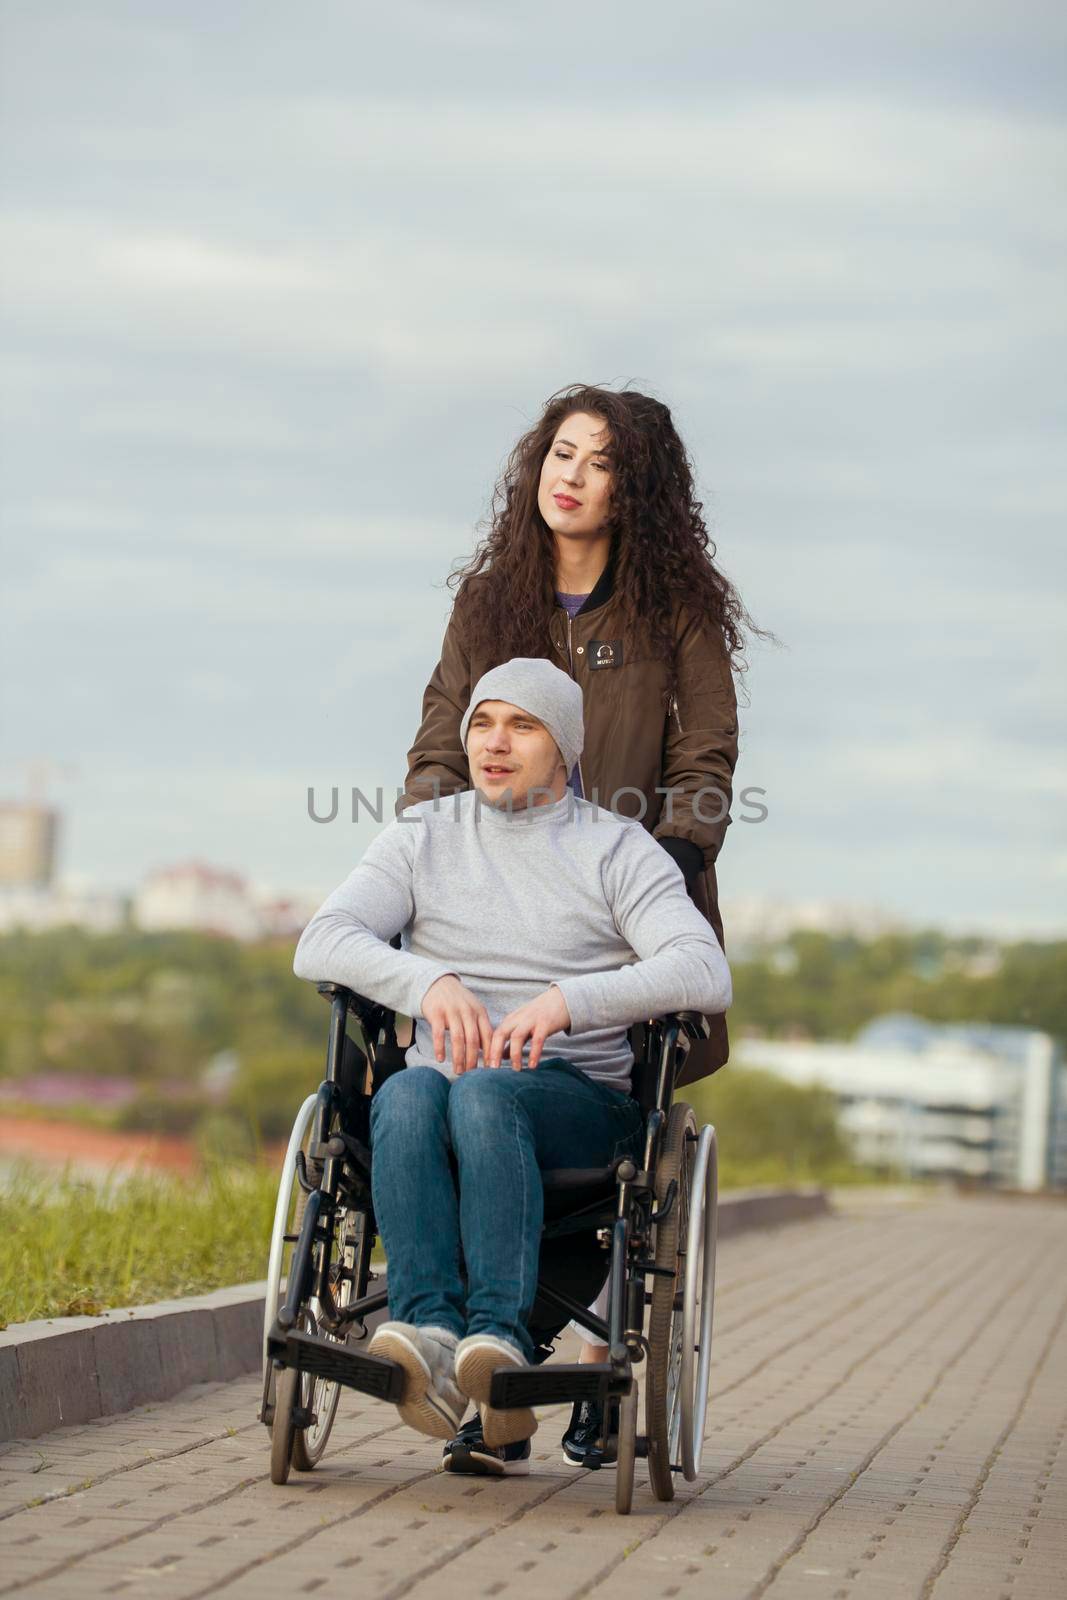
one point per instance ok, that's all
(768, 1208)
(69, 1370)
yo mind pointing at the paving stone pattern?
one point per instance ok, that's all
(888, 1419)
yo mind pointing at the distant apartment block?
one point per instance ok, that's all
(36, 910)
(28, 836)
(980, 1103)
(756, 921)
(193, 895)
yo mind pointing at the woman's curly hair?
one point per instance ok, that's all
(661, 549)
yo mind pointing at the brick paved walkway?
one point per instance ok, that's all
(888, 1419)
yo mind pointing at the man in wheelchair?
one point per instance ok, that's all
(534, 930)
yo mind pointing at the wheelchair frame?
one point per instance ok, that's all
(655, 1221)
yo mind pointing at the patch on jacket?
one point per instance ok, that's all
(605, 653)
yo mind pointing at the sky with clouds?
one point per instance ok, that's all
(280, 288)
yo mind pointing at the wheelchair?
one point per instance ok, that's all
(649, 1231)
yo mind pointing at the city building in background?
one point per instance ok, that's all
(191, 896)
(28, 838)
(284, 917)
(966, 1101)
(63, 906)
(195, 896)
(758, 922)
(31, 897)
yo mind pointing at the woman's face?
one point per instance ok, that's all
(575, 485)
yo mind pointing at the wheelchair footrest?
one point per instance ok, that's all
(554, 1385)
(324, 1358)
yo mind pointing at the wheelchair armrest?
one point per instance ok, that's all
(692, 1024)
(364, 1009)
(334, 991)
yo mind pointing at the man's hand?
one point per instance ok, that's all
(534, 1021)
(450, 1008)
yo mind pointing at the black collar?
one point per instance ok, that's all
(603, 589)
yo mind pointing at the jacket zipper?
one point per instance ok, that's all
(677, 717)
(574, 675)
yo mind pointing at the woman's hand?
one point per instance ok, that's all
(545, 1014)
(450, 1008)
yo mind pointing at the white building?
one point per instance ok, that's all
(193, 895)
(96, 910)
(754, 922)
(983, 1103)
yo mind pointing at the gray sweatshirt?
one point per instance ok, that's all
(565, 893)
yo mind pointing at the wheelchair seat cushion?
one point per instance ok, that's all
(570, 1189)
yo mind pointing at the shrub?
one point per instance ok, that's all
(770, 1130)
(271, 1084)
(154, 1113)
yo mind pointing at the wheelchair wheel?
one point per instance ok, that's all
(663, 1387)
(288, 1215)
(698, 1300)
(286, 1397)
(624, 1474)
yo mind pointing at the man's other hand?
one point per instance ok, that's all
(534, 1021)
(450, 1008)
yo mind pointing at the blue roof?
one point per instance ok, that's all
(900, 1030)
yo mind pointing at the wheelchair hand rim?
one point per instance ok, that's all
(281, 1218)
(699, 1282)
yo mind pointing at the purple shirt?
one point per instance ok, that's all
(572, 604)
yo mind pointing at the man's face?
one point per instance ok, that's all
(509, 751)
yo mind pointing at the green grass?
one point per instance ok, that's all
(70, 1248)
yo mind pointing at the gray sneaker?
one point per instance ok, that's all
(477, 1357)
(431, 1402)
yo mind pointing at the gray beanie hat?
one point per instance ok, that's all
(535, 685)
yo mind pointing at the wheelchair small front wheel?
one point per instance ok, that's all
(624, 1465)
(319, 1396)
(286, 1398)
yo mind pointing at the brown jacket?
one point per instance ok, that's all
(639, 739)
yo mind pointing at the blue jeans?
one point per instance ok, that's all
(500, 1128)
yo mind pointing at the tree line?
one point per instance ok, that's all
(163, 1010)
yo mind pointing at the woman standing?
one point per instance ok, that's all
(598, 558)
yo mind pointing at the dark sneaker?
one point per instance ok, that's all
(478, 1356)
(581, 1442)
(469, 1453)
